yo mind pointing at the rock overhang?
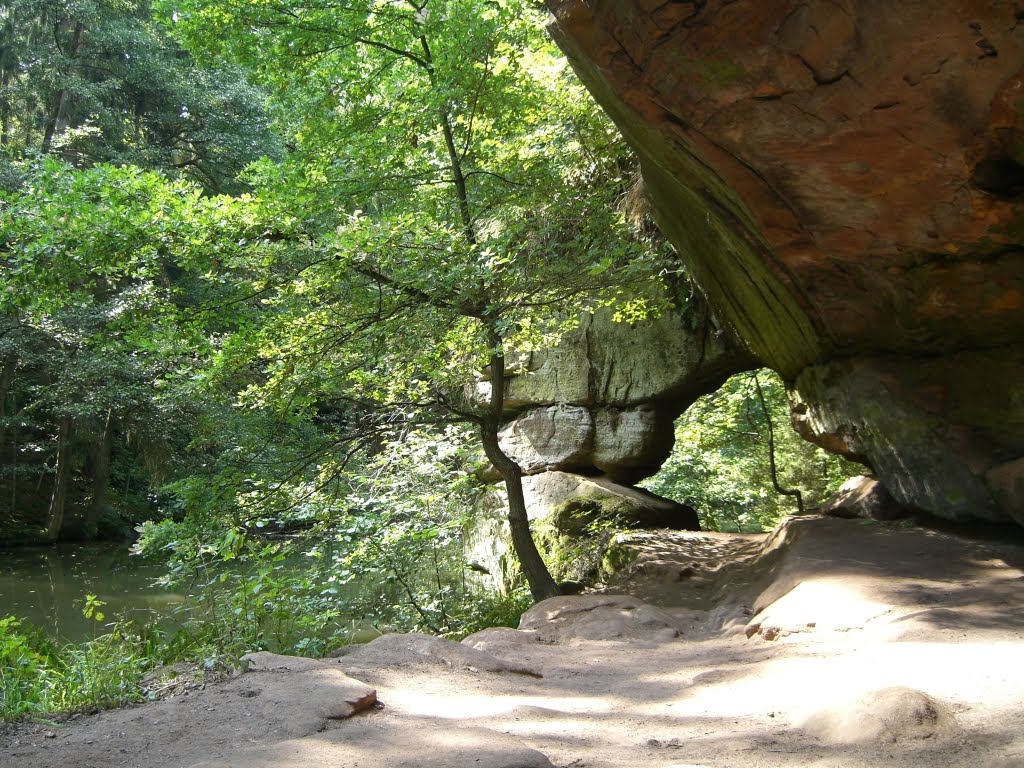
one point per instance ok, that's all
(843, 181)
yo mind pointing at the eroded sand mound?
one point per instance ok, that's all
(830, 643)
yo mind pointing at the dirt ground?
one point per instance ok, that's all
(829, 643)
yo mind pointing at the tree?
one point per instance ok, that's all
(452, 186)
(736, 458)
(92, 81)
(105, 272)
(97, 81)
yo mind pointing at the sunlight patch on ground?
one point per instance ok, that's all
(826, 603)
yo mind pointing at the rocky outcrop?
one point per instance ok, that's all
(865, 497)
(845, 182)
(571, 513)
(573, 503)
(935, 430)
(588, 419)
(603, 401)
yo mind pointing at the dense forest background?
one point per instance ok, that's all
(253, 254)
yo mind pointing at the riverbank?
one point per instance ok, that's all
(829, 642)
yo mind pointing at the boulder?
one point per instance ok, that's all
(886, 716)
(845, 187)
(631, 444)
(1007, 484)
(295, 696)
(598, 617)
(625, 444)
(556, 436)
(570, 513)
(571, 502)
(673, 355)
(604, 399)
(863, 496)
(927, 428)
(409, 650)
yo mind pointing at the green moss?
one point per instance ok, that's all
(616, 558)
(582, 515)
(575, 557)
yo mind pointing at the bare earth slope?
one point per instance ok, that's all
(829, 643)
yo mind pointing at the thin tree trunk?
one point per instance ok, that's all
(5, 110)
(14, 459)
(454, 160)
(100, 476)
(61, 99)
(773, 470)
(542, 585)
(6, 381)
(61, 481)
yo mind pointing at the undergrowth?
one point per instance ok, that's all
(40, 677)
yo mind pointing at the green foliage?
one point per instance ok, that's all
(97, 81)
(720, 462)
(93, 330)
(23, 668)
(382, 548)
(38, 676)
(291, 365)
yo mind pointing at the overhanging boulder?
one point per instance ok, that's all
(846, 186)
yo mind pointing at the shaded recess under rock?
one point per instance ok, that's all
(844, 184)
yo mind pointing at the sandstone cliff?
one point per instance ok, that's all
(844, 179)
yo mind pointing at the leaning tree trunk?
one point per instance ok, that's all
(55, 517)
(542, 585)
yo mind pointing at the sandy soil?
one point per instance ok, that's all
(830, 643)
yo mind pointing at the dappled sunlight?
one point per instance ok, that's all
(858, 613)
(823, 604)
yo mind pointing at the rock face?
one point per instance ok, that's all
(864, 497)
(594, 415)
(845, 181)
(567, 507)
(604, 400)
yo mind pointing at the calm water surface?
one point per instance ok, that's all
(47, 586)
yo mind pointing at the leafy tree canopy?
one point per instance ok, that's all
(96, 81)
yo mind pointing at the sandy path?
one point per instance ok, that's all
(835, 611)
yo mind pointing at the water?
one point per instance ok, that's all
(47, 586)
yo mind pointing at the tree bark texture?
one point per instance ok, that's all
(6, 381)
(55, 516)
(542, 585)
(53, 123)
(100, 475)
